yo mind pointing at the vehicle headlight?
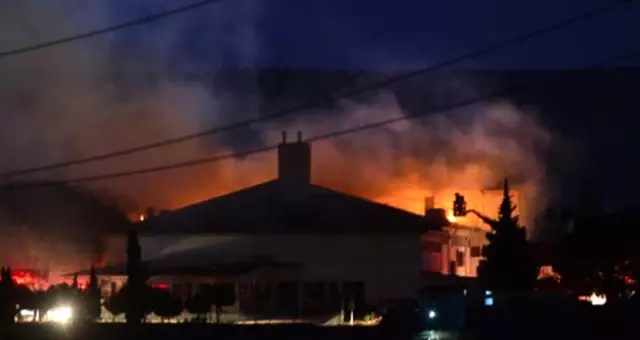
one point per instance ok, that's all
(61, 314)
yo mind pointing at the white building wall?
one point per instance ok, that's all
(452, 240)
(388, 264)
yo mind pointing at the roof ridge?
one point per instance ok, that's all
(367, 200)
(266, 208)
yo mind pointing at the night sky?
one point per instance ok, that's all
(401, 34)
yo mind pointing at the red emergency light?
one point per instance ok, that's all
(160, 286)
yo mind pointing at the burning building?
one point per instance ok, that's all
(457, 248)
(287, 234)
(290, 234)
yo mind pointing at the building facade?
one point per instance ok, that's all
(456, 249)
(288, 242)
(325, 244)
(387, 265)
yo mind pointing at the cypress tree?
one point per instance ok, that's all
(507, 265)
(93, 304)
(8, 298)
(135, 281)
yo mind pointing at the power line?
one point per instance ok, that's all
(330, 98)
(333, 134)
(105, 30)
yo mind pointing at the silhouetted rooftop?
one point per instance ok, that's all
(228, 270)
(273, 207)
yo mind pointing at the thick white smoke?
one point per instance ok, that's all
(114, 91)
(96, 96)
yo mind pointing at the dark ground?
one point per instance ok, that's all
(546, 321)
(188, 332)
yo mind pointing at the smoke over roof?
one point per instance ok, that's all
(96, 96)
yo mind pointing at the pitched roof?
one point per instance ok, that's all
(161, 269)
(276, 207)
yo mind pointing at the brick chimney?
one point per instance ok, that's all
(294, 161)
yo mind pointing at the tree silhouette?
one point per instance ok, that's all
(116, 304)
(74, 283)
(217, 295)
(42, 305)
(507, 265)
(27, 299)
(8, 298)
(120, 303)
(92, 296)
(200, 305)
(165, 304)
(220, 295)
(136, 282)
